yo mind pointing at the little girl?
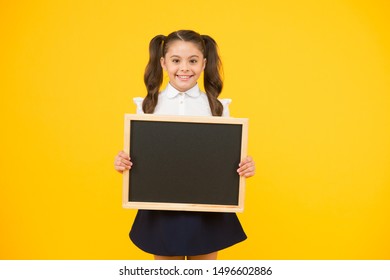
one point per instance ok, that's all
(184, 55)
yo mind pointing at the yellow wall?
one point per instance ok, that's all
(312, 76)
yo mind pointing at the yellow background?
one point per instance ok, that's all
(312, 76)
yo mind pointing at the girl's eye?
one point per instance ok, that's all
(193, 61)
(175, 60)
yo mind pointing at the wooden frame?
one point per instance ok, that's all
(144, 132)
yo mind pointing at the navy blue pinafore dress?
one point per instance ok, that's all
(183, 233)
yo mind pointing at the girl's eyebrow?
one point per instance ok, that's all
(175, 55)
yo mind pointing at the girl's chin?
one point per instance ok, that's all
(183, 85)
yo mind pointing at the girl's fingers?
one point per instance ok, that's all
(248, 159)
(122, 162)
(122, 154)
(247, 167)
(249, 172)
(120, 168)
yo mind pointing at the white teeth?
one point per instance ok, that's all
(183, 77)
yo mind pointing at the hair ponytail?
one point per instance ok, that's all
(213, 83)
(153, 76)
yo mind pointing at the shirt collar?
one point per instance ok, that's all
(192, 92)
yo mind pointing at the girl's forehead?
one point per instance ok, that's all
(182, 47)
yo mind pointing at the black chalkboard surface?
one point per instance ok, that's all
(184, 163)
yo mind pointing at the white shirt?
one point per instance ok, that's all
(193, 102)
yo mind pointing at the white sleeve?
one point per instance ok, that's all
(138, 102)
(226, 102)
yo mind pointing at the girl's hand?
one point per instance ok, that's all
(122, 162)
(247, 167)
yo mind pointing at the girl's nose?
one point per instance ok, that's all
(184, 66)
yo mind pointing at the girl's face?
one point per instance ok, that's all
(184, 63)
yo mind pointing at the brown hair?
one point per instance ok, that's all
(153, 76)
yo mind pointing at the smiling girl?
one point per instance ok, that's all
(168, 235)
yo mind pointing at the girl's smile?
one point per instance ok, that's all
(182, 77)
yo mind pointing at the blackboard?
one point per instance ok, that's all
(184, 163)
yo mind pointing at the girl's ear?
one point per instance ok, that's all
(162, 62)
(204, 63)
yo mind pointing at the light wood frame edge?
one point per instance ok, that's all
(184, 206)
